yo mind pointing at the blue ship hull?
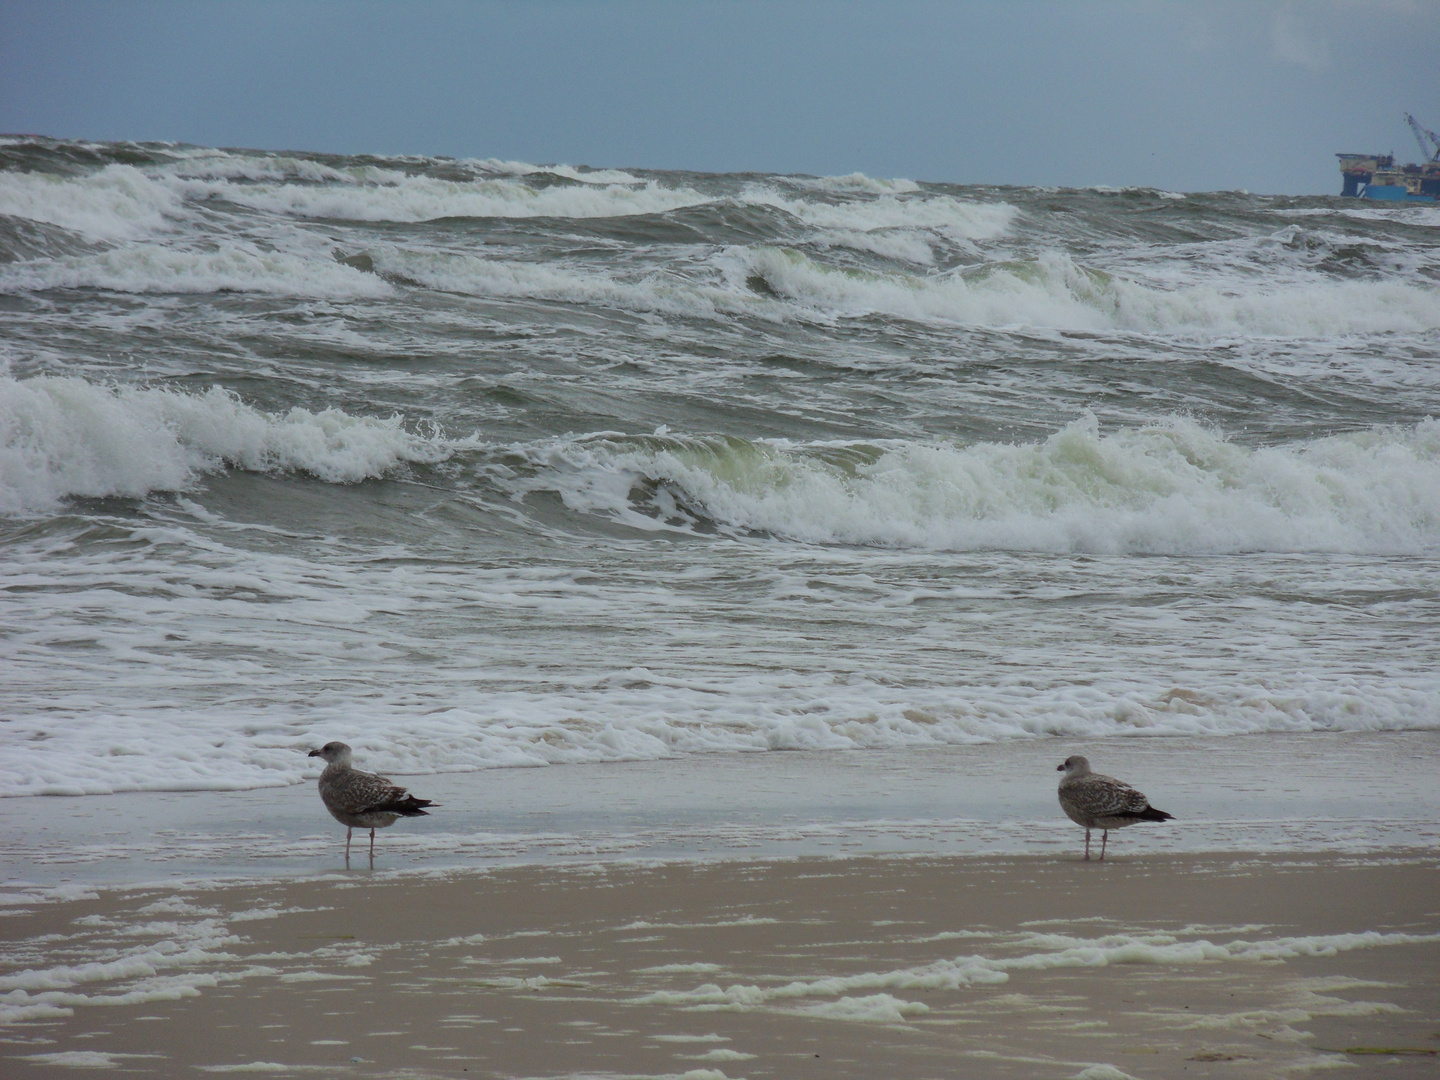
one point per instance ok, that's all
(1393, 193)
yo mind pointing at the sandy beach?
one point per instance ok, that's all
(897, 914)
(1147, 967)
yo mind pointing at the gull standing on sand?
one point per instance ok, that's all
(362, 800)
(1101, 802)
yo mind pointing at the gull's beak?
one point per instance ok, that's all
(316, 753)
(1058, 768)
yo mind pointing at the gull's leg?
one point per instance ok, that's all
(1087, 845)
(1104, 837)
(372, 844)
(348, 831)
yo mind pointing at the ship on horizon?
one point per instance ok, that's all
(1376, 176)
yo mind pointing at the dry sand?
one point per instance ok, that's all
(1152, 966)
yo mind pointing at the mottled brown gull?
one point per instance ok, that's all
(1101, 802)
(362, 800)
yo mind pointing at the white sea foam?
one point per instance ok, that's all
(62, 436)
(1051, 292)
(114, 686)
(1102, 1072)
(893, 219)
(1055, 291)
(853, 182)
(159, 970)
(1065, 951)
(722, 1054)
(121, 203)
(569, 172)
(1175, 487)
(264, 1067)
(891, 592)
(405, 723)
(901, 245)
(177, 945)
(1006, 298)
(118, 202)
(870, 1009)
(425, 198)
(81, 1059)
(1108, 189)
(961, 219)
(25, 893)
(1305, 1001)
(153, 268)
(205, 164)
(975, 970)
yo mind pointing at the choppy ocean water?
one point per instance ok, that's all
(478, 463)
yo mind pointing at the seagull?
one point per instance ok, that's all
(1101, 802)
(362, 800)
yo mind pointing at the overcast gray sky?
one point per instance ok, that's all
(1190, 96)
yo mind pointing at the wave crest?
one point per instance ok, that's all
(118, 202)
(1171, 488)
(65, 436)
(404, 198)
(1055, 291)
(234, 267)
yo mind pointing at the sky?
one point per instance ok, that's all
(1253, 94)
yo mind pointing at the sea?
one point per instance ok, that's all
(477, 464)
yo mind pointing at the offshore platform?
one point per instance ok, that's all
(1375, 176)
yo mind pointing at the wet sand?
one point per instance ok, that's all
(1148, 965)
(1262, 793)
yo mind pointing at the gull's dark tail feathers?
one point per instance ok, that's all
(1151, 814)
(407, 806)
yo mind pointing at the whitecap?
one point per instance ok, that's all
(64, 436)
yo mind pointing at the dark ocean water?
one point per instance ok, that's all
(480, 463)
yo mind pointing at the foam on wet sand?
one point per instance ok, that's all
(1003, 966)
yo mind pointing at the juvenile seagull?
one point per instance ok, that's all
(1101, 802)
(362, 800)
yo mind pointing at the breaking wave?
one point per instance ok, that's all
(1171, 488)
(540, 615)
(61, 437)
(1055, 291)
(959, 218)
(156, 268)
(423, 198)
(119, 202)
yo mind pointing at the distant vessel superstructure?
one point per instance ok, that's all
(1376, 176)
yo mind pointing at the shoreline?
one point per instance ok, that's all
(1149, 966)
(1255, 793)
(735, 916)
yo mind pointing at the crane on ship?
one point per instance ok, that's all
(1421, 134)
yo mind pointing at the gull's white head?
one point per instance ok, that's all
(337, 753)
(1075, 765)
